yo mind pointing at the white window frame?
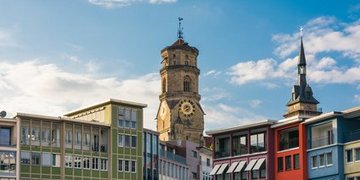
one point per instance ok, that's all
(312, 162)
(121, 143)
(120, 165)
(326, 157)
(346, 155)
(103, 164)
(321, 166)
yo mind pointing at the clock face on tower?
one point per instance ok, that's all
(186, 107)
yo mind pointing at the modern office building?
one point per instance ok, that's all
(205, 165)
(9, 166)
(173, 165)
(102, 141)
(243, 152)
(151, 155)
(332, 142)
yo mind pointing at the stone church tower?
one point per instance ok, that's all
(302, 101)
(180, 116)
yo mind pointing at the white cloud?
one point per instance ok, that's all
(46, 89)
(223, 115)
(213, 73)
(255, 103)
(7, 39)
(245, 72)
(161, 1)
(122, 3)
(357, 98)
(213, 94)
(324, 38)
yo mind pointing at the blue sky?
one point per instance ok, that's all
(56, 56)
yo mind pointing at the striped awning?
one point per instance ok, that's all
(258, 164)
(250, 165)
(232, 167)
(216, 167)
(222, 168)
(240, 167)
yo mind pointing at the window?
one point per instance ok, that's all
(222, 147)
(46, 159)
(194, 154)
(349, 155)
(68, 136)
(208, 162)
(133, 118)
(5, 134)
(187, 82)
(289, 138)
(55, 135)
(95, 163)
(194, 175)
(239, 145)
(121, 118)
(329, 160)
(133, 166)
(133, 141)
(357, 154)
(120, 140)
(120, 165)
(77, 139)
(257, 142)
(35, 133)
(35, 158)
(24, 137)
(314, 162)
(296, 161)
(127, 141)
(7, 162)
(68, 161)
(280, 164)
(25, 157)
(95, 139)
(126, 166)
(45, 134)
(288, 163)
(321, 160)
(86, 138)
(77, 162)
(263, 170)
(86, 163)
(127, 118)
(103, 164)
(56, 160)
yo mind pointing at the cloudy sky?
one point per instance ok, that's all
(56, 56)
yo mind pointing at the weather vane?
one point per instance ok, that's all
(301, 31)
(180, 30)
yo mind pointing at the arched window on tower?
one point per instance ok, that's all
(163, 87)
(187, 83)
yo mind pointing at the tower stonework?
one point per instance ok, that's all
(180, 116)
(302, 101)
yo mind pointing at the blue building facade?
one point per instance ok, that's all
(326, 135)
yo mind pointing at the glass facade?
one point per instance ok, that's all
(151, 155)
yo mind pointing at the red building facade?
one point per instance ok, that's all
(290, 149)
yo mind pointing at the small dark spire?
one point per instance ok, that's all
(180, 29)
(302, 59)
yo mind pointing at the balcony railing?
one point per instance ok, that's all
(322, 141)
(172, 156)
(288, 144)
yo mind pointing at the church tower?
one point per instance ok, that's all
(180, 116)
(302, 101)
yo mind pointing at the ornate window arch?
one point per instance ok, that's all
(187, 84)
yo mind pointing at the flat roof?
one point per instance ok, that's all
(109, 101)
(348, 113)
(240, 127)
(59, 118)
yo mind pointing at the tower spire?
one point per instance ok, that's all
(180, 29)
